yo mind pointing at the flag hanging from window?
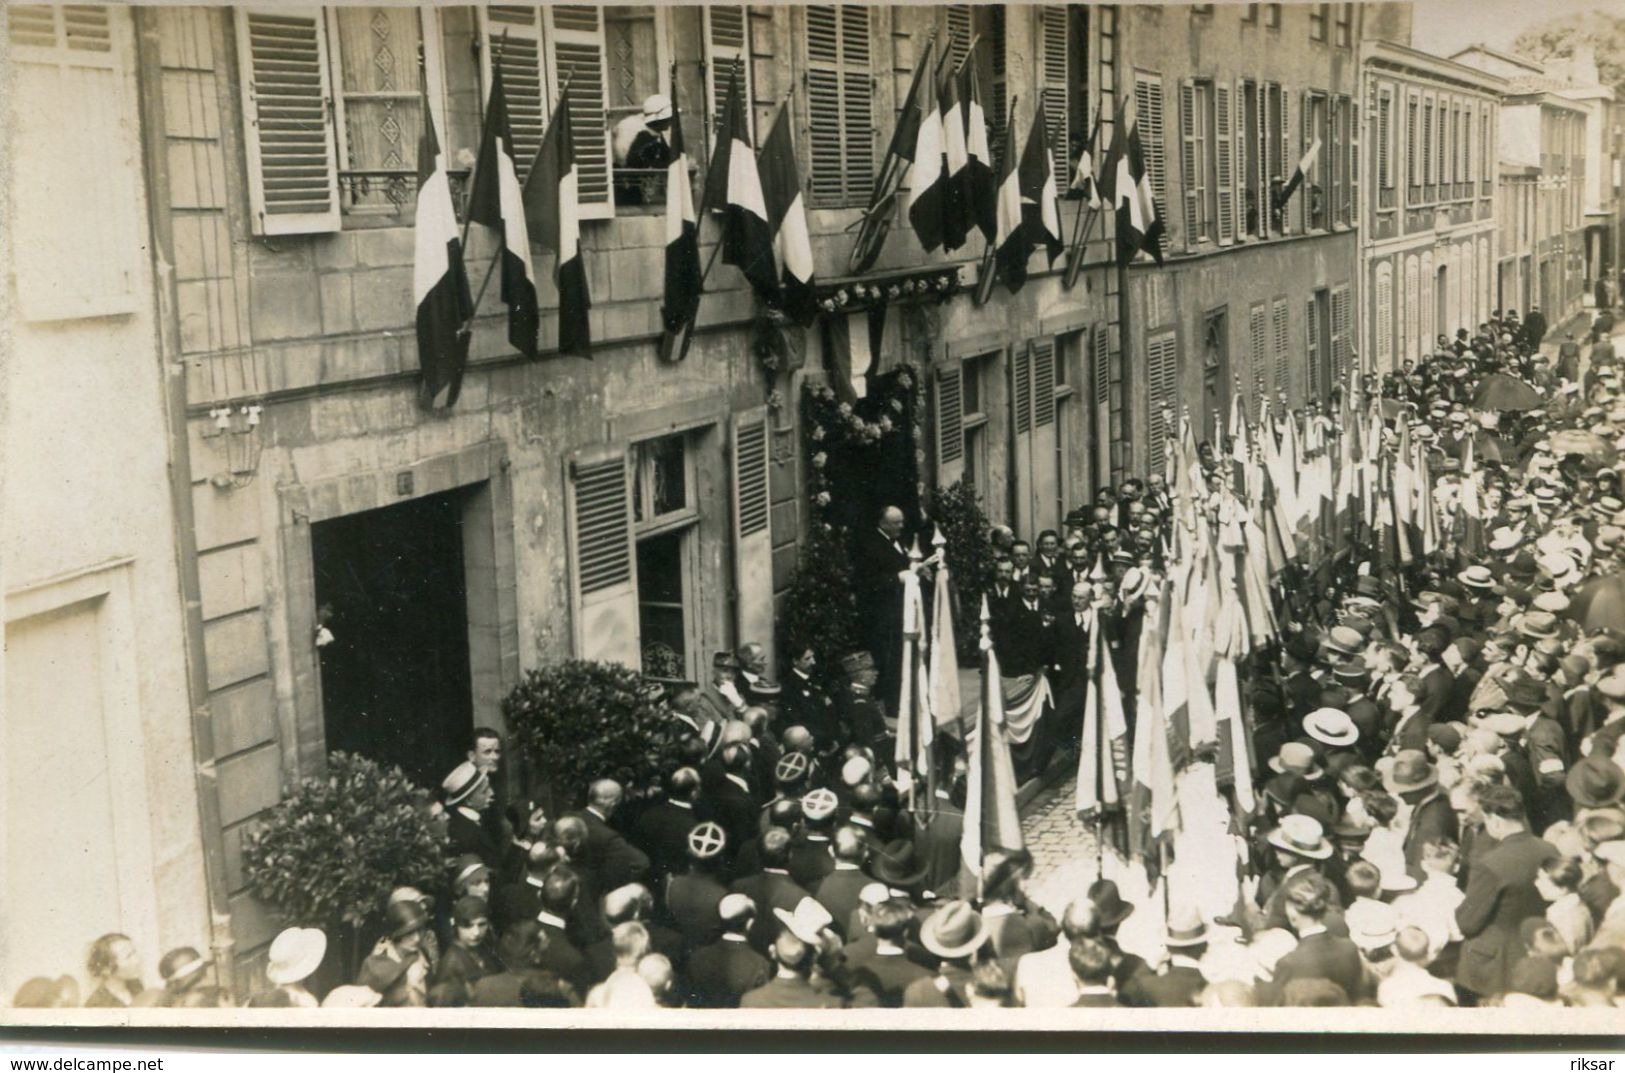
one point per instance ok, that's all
(1299, 174)
(1127, 187)
(927, 183)
(439, 278)
(683, 282)
(981, 185)
(747, 240)
(956, 220)
(497, 203)
(1040, 204)
(553, 210)
(1085, 185)
(787, 220)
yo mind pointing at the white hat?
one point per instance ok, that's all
(656, 106)
(1372, 924)
(295, 954)
(1331, 726)
(807, 921)
(351, 997)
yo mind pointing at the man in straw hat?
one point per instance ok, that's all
(952, 935)
(467, 793)
(1180, 980)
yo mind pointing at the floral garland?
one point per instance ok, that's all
(834, 424)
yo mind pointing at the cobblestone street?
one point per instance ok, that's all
(1063, 849)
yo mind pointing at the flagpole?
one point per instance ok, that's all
(496, 58)
(985, 273)
(1082, 230)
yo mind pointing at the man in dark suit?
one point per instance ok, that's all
(805, 703)
(562, 957)
(878, 557)
(1004, 591)
(884, 966)
(1069, 663)
(608, 858)
(791, 987)
(1021, 637)
(468, 793)
(720, 973)
(1437, 684)
(1319, 954)
(662, 831)
(810, 857)
(521, 901)
(769, 889)
(732, 802)
(838, 892)
(1091, 965)
(1415, 781)
(1181, 980)
(1501, 894)
(692, 898)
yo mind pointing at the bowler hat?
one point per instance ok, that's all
(1344, 641)
(1352, 669)
(1113, 910)
(954, 931)
(1596, 782)
(1410, 771)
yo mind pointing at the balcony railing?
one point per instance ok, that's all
(639, 186)
(377, 190)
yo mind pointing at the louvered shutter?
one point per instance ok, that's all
(1101, 380)
(1238, 191)
(1385, 119)
(1281, 377)
(1410, 146)
(603, 583)
(1162, 375)
(1043, 351)
(513, 41)
(1261, 167)
(753, 532)
(840, 104)
(1187, 158)
(1224, 155)
(957, 21)
(1288, 159)
(1340, 335)
(999, 105)
(1311, 333)
(1056, 80)
(1412, 297)
(727, 47)
(1042, 474)
(576, 51)
(950, 424)
(1258, 355)
(1304, 200)
(1351, 130)
(293, 186)
(1385, 317)
(1021, 397)
(1148, 108)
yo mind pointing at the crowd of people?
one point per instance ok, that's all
(1442, 817)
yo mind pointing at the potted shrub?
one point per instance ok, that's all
(820, 611)
(330, 852)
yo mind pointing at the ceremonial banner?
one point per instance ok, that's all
(991, 819)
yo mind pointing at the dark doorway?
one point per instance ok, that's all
(391, 589)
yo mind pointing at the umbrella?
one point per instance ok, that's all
(1599, 603)
(1499, 391)
(1588, 444)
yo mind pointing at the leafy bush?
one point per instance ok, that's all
(958, 513)
(582, 720)
(337, 844)
(821, 611)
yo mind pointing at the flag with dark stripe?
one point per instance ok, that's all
(926, 181)
(1040, 204)
(787, 219)
(1299, 173)
(439, 278)
(1128, 189)
(981, 184)
(682, 292)
(956, 221)
(496, 202)
(747, 240)
(1012, 242)
(554, 211)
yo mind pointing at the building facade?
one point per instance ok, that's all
(1428, 237)
(101, 823)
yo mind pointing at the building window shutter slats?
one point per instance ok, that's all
(1043, 382)
(1278, 316)
(513, 42)
(1385, 317)
(602, 581)
(1022, 394)
(1340, 335)
(958, 20)
(752, 535)
(1238, 191)
(576, 51)
(1225, 157)
(1162, 375)
(727, 46)
(950, 423)
(1311, 334)
(840, 104)
(1102, 366)
(1148, 106)
(1056, 82)
(287, 121)
(1188, 161)
(1259, 352)
(750, 461)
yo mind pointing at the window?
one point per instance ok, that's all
(292, 173)
(1342, 343)
(1215, 370)
(79, 219)
(1316, 320)
(636, 63)
(1345, 147)
(1254, 179)
(377, 105)
(1060, 27)
(1148, 105)
(1258, 353)
(1071, 353)
(660, 480)
(1196, 118)
(1383, 330)
(1427, 148)
(840, 104)
(1272, 16)
(1249, 13)
(664, 515)
(974, 374)
(1278, 146)
(1410, 147)
(1485, 172)
(1345, 25)
(1161, 395)
(1317, 21)
(1316, 193)
(1385, 121)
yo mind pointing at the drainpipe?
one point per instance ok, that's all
(149, 93)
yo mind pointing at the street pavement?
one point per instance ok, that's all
(1063, 849)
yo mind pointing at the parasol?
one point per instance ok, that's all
(1572, 441)
(1499, 391)
(1599, 603)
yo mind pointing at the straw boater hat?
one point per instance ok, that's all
(1331, 726)
(1185, 929)
(1295, 758)
(1477, 577)
(294, 955)
(1303, 836)
(465, 779)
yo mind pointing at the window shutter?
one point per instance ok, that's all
(1148, 106)
(950, 424)
(1043, 360)
(753, 532)
(512, 38)
(1162, 376)
(857, 103)
(1341, 344)
(1021, 395)
(957, 20)
(1238, 193)
(1312, 339)
(575, 40)
(1288, 160)
(1262, 166)
(1385, 317)
(602, 581)
(840, 104)
(1187, 158)
(1281, 379)
(78, 215)
(1259, 356)
(1224, 155)
(1351, 130)
(1053, 19)
(1102, 366)
(727, 43)
(293, 184)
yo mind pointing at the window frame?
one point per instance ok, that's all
(641, 465)
(1319, 17)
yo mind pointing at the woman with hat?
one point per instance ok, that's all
(183, 970)
(468, 956)
(293, 956)
(399, 968)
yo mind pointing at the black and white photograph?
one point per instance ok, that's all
(795, 516)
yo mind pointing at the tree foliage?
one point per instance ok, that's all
(583, 720)
(337, 844)
(820, 611)
(1556, 38)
